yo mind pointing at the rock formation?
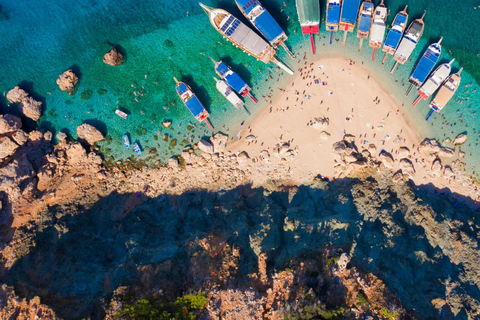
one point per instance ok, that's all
(16, 95)
(67, 81)
(89, 133)
(205, 146)
(7, 147)
(113, 58)
(460, 139)
(9, 123)
(31, 108)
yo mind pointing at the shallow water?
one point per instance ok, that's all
(41, 39)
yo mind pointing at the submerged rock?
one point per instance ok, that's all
(89, 133)
(67, 81)
(16, 95)
(31, 108)
(9, 123)
(166, 124)
(113, 58)
(460, 139)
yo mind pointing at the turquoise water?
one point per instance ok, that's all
(41, 39)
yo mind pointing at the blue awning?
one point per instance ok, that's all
(268, 26)
(247, 5)
(194, 105)
(365, 21)
(393, 38)
(222, 69)
(333, 14)
(235, 82)
(350, 11)
(425, 66)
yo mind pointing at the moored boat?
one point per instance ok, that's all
(425, 65)
(309, 16)
(264, 22)
(191, 101)
(126, 141)
(121, 114)
(409, 42)
(228, 93)
(233, 79)
(242, 36)
(377, 32)
(333, 16)
(434, 81)
(446, 92)
(395, 33)
(348, 17)
(137, 149)
(365, 20)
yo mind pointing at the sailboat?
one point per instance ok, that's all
(434, 81)
(242, 36)
(395, 33)
(348, 17)
(365, 20)
(425, 65)
(377, 32)
(333, 16)
(309, 17)
(264, 22)
(445, 93)
(409, 42)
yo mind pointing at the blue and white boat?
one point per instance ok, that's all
(137, 149)
(395, 34)
(126, 141)
(348, 17)
(232, 79)
(191, 101)
(365, 19)
(377, 32)
(333, 16)
(425, 65)
(263, 21)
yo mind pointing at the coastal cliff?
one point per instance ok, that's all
(77, 231)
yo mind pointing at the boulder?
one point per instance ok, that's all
(407, 167)
(67, 81)
(348, 138)
(350, 158)
(20, 137)
(446, 152)
(48, 136)
(448, 173)
(461, 154)
(166, 124)
(429, 146)
(7, 147)
(243, 157)
(31, 108)
(372, 148)
(339, 148)
(437, 167)
(460, 139)
(35, 136)
(403, 152)
(61, 136)
(319, 123)
(9, 123)
(16, 95)
(173, 162)
(324, 135)
(398, 177)
(447, 140)
(113, 58)
(219, 142)
(89, 133)
(386, 159)
(205, 146)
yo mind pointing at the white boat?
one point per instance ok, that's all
(377, 32)
(446, 92)
(228, 93)
(434, 81)
(121, 114)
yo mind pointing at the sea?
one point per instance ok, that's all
(40, 39)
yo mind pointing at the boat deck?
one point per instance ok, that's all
(268, 26)
(350, 10)
(308, 12)
(424, 66)
(190, 99)
(333, 13)
(232, 78)
(366, 17)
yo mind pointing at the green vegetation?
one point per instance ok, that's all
(190, 127)
(361, 299)
(316, 312)
(101, 91)
(152, 151)
(155, 137)
(389, 314)
(181, 162)
(332, 261)
(146, 308)
(87, 94)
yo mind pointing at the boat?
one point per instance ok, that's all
(377, 32)
(121, 114)
(228, 93)
(126, 141)
(445, 93)
(233, 79)
(333, 16)
(408, 42)
(137, 149)
(264, 22)
(348, 17)
(395, 34)
(309, 16)
(425, 65)
(365, 20)
(242, 36)
(434, 81)
(191, 101)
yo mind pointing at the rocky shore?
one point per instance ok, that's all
(369, 206)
